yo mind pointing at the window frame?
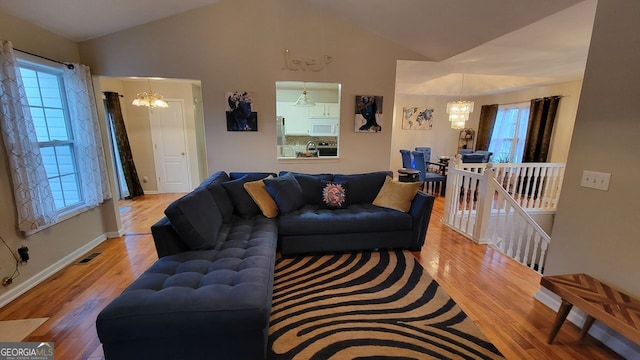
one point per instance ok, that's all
(25, 61)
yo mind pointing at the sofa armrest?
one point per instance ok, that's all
(166, 239)
(420, 210)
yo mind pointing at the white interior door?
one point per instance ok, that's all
(168, 134)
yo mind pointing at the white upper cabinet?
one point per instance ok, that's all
(325, 110)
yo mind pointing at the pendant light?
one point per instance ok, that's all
(304, 99)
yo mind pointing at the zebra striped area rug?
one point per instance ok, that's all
(367, 305)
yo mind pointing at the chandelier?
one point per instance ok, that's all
(459, 111)
(150, 99)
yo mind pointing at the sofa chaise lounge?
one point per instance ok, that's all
(209, 294)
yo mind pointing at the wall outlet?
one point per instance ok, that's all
(595, 180)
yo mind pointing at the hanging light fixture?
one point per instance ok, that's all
(150, 99)
(304, 99)
(459, 110)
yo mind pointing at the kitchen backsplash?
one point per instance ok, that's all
(302, 140)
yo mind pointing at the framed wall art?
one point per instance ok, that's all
(240, 116)
(368, 113)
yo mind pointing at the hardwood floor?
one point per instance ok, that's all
(494, 291)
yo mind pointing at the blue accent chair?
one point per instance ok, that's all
(407, 159)
(430, 180)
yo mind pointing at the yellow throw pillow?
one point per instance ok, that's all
(397, 195)
(261, 197)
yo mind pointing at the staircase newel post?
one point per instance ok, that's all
(483, 206)
(449, 196)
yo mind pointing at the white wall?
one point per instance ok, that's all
(239, 45)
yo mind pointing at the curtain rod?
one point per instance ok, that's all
(528, 101)
(69, 66)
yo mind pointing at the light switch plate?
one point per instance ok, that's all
(595, 180)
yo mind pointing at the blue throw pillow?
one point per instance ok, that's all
(286, 192)
(242, 201)
(334, 194)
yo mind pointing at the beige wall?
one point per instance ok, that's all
(239, 45)
(444, 141)
(594, 230)
(55, 246)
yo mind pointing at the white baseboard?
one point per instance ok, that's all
(23, 287)
(603, 333)
(151, 192)
(115, 234)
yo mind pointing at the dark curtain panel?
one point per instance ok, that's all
(124, 150)
(488, 115)
(541, 119)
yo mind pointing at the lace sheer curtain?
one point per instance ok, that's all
(87, 137)
(34, 202)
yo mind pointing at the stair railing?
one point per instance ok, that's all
(488, 203)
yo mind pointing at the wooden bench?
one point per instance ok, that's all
(600, 301)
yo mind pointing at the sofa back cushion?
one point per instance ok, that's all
(311, 184)
(216, 177)
(222, 199)
(253, 175)
(196, 218)
(363, 188)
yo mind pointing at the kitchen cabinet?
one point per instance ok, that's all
(296, 118)
(325, 110)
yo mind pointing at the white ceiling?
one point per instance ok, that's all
(497, 44)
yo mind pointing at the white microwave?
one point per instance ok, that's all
(324, 126)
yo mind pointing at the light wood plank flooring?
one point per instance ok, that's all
(495, 292)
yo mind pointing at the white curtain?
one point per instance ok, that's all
(509, 132)
(86, 134)
(34, 201)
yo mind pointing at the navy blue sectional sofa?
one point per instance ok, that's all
(209, 294)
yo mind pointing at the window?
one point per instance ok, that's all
(48, 106)
(509, 133)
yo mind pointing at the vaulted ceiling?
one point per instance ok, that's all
(496, 44)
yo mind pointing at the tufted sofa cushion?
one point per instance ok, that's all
(198, 293)
(352, 219)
